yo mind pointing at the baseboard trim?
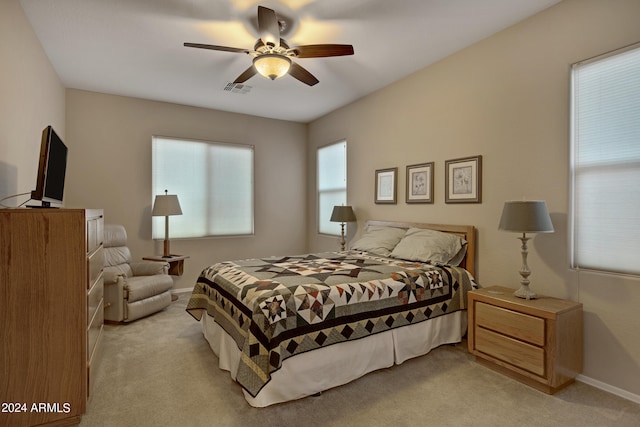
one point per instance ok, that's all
(609, 388)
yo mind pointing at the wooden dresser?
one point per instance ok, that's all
(51, 313)
(538, 342)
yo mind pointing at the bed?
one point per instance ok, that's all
(293, 326)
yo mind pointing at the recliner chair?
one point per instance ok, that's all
(131, 289)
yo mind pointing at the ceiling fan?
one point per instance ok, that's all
(272, 56)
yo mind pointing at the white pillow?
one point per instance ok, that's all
(378, 240)
(432, 246)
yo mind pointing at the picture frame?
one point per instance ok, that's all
(386, 186)
(420, 183)
(463, 180)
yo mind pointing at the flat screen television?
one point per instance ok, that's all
(52, 167)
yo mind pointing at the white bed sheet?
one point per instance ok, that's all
(338, 364)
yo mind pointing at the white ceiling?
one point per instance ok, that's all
(135, 47)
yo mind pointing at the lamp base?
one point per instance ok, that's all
(525, 292)
(167, 249)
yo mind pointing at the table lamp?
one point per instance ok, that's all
(525, 217)
(342, 214)
(166, 205)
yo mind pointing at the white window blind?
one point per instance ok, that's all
(214, 184)
(606, 163)
(332, 184)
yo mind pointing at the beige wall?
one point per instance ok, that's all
(31, 97)
(507, 99)
(109, 139)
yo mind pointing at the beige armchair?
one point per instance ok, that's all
(131, 289)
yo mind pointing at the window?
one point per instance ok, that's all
(214, 184)
(605, 168)
(332, 184)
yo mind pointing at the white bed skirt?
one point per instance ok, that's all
(338, 364)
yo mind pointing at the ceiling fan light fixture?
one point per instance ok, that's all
(272, 65)
(272, 54)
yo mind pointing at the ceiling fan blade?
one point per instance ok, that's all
(298, 72)
(322, 50)
(214, 47)
(268, 26)
(246, 75)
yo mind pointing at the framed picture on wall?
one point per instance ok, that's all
(463, 180)
(420, 183)
(386, 185)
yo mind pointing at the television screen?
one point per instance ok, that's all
(52, 167)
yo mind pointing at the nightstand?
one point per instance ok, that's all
(176, 266)
(537, 342)
(176, 262)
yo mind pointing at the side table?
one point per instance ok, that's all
(176, 265)
(176, 262)
(538, 341)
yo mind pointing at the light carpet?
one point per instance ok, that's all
(160, 371)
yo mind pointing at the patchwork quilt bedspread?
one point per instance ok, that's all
(275, 308)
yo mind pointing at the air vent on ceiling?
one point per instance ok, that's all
(237, 88)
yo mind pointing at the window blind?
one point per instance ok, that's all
(606, 162)
(214, 184)
(332, 184)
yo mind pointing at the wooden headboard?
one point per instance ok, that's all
(467, 232)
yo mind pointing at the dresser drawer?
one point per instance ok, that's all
(95, 265)
(94, 298)
(95, 328)
(95, 232)
(93, 363)
(511, 351)
(518, 325)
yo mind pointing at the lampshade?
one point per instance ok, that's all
(272, 65)
(529, 216)
(342, 214)
(166, 205)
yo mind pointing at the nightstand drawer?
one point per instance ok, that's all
(509, 350)
(518, 325)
